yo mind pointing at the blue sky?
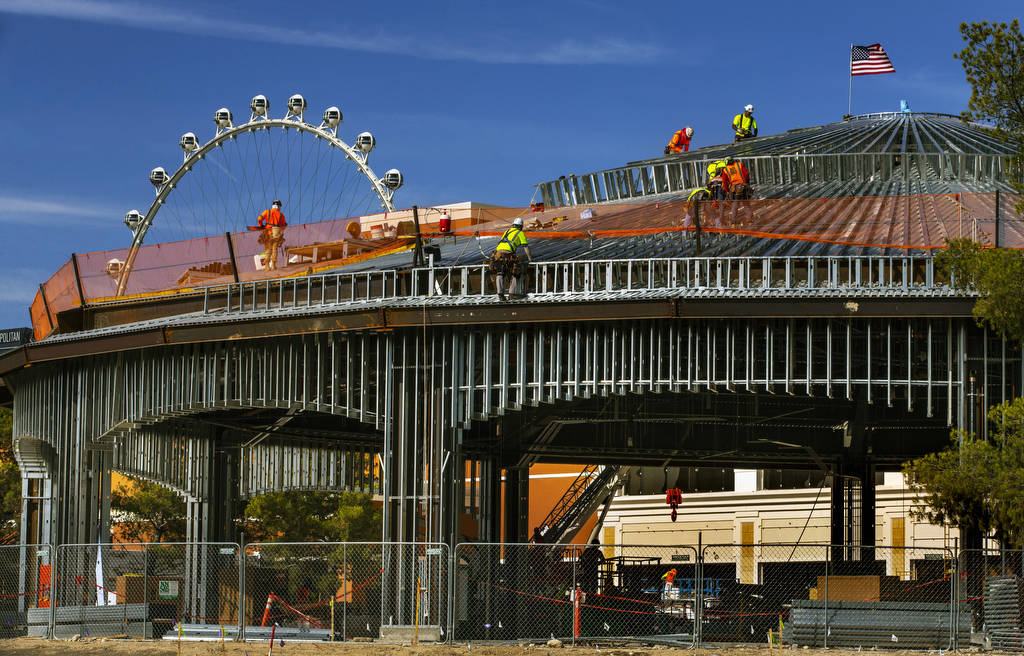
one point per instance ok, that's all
(474, 100)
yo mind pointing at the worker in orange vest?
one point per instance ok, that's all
(736, 180)
(669, 578)
(272, 237)
(680, 141)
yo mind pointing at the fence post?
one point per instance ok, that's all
(825, 639)
(145, 587)
(954, 603)
(348, 584)
(241, 588)
(698, 598)
(53, 592)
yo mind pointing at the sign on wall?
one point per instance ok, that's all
(14, 337)
(167, 590)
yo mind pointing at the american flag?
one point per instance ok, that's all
(869, 60)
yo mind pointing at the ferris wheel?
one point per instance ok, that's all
(222, 185)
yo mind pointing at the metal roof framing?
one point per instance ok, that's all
(864, 155)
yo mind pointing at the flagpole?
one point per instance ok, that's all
(849, 109)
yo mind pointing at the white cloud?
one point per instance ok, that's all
(20, 210)
(150, 15)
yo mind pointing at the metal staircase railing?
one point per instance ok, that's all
(587, 492)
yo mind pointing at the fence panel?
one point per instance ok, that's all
(24, 587)
(145, 590)
(339, 591)
(750, 588)
(831, 596)
(607, 592)
(991, 595)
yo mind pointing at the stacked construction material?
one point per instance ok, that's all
(879, 624)
(1003, 597)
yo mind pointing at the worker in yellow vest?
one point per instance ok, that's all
(744, 124)
(715, 181)
(506, 262)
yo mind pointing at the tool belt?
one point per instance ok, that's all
(741, 191)
(505, 263)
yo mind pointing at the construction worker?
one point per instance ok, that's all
(700, 193)
(669, 579)
(680, 141)
(272, 236)
(736, 180)
(744, 124)
(715, 183)
(506, 261)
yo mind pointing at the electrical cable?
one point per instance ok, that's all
(808, 520)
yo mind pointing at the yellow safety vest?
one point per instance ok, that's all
(742, 123)
(714, 168)
(511, 240)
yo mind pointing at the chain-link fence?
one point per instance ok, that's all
(144, 590)
(24, 588)
(538, 591)
(831, 596)
(813, 595)
(340, 591)
(991, 594)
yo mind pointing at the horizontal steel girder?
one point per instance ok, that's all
(136, 400)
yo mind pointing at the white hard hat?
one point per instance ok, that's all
(689, 131)
(518, 221)
(748, 108)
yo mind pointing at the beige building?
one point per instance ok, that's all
(752, 516)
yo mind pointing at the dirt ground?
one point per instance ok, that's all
(110, 647)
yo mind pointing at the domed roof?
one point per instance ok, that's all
(885, 132)
(884, 154)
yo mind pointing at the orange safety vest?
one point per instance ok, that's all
(679, 142)
(734, 172)
(272, 217)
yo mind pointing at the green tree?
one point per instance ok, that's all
(10, 478)
(996, 275)
(148, 512)
(992, 61)
(976, 484)
(313, 516)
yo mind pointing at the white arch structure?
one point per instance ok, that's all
(384, 188)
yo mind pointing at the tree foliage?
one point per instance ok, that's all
(149, 512)
(997, 275)
(977, 484)
(10, 476)
(313, 516)
(992, 61)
